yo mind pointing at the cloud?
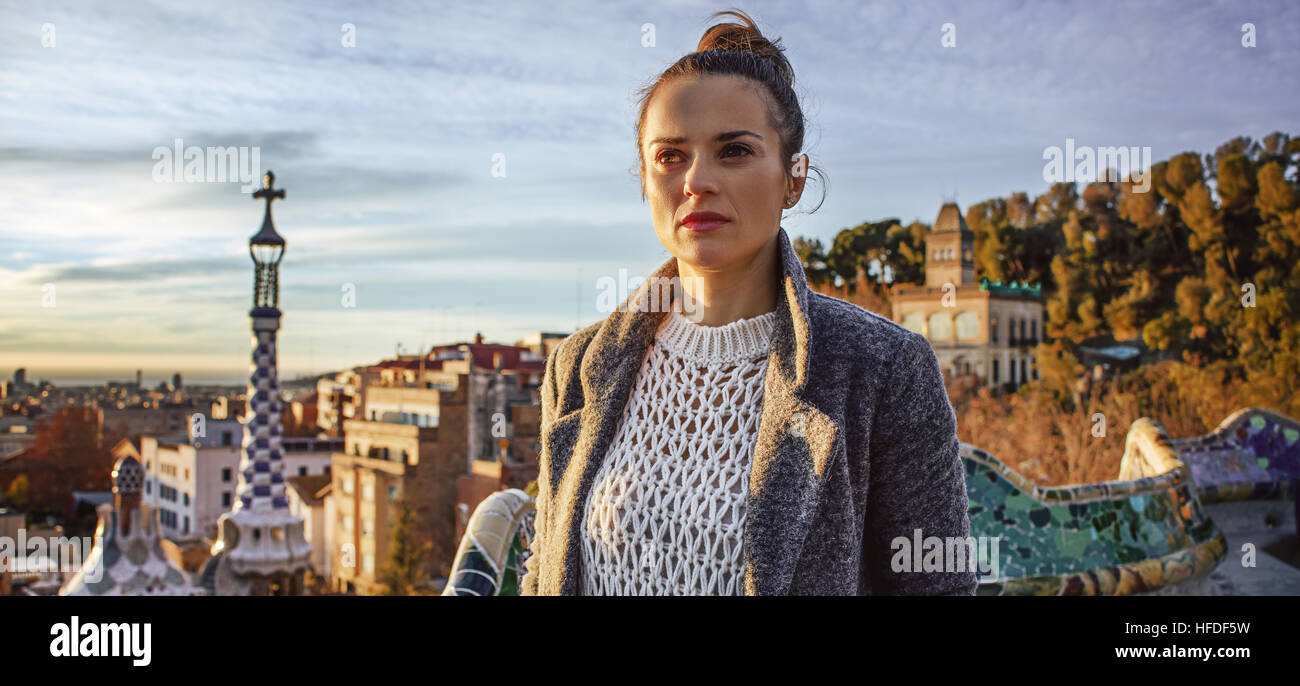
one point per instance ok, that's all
(386, 149)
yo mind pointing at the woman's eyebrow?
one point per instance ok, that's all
(720, 138)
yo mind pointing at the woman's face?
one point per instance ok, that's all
(707, 146)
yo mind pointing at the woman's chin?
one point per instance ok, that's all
(704, 252)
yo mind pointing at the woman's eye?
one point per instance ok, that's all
(667, 156)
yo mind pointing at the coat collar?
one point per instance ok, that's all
(794, 446)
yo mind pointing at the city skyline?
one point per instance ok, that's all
(386, 149)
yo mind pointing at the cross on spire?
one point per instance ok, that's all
(268, 234)
(268, 180)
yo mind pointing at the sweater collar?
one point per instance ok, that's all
(747, 338)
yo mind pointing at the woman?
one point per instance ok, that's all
(778, 441)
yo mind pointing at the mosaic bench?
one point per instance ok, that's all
(1254, 454)
(490, 558)
(1143, 532)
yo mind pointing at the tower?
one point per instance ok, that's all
(949, 249)
(126, 557)
(260, 548)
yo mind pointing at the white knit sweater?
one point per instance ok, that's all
(667, 509)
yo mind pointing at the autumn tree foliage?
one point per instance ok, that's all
(68, 455)
(1202, 271)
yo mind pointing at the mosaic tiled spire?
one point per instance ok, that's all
(260, 536)
(261, 477)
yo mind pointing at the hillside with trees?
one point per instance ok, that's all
(1201, 272)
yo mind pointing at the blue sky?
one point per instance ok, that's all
(386, 151)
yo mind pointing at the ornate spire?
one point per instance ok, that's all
(262, 549)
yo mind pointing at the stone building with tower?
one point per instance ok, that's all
(982, 332)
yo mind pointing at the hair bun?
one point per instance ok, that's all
(746, 38)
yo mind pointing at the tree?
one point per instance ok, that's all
(863, 249)
(408, 565)
(68, 455)
(813, 256)
(16, 495)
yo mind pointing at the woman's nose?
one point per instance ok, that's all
(700, 178)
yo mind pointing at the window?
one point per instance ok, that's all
(392, 493)
(347, 486)
(367, 528)
(147, 484)
(1033, 330)
(347, 523)
(940, 326)
(368, 563)
(1011, 332)
(1011, 372)
(1022, 338)
(368, 491)
(302, 471)
(996, 376)
(1024, 375)
(915, 322)
(186, 529)
(968, 325)
(225, 499)
(187, 473)
(993, 331)
(1035, 368)
(225, 438)
(186, 498)
(225, 475)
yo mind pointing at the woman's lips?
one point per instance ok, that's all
(708, 225)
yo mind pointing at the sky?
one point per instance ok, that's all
(391, 150)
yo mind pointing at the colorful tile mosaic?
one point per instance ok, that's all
(1254, 454)
(1107, 538)
(491, 554)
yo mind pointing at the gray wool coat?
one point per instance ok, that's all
(856, 446)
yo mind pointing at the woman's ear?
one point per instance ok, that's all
(800, 168)
(799, 171)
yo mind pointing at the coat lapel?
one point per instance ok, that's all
(791, 455)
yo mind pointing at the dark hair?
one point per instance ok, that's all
(741, 50)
